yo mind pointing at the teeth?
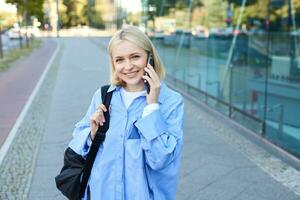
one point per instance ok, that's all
(130, 73)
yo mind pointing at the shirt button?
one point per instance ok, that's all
(121, 135)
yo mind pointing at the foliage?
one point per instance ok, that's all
(7, 19)
(240, 2)
(95, 19)
(33, 8)
(81, 12)
(163, 7)
(278, 14)
(75, 12)
(216, 13)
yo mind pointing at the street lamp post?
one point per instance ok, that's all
(145, 5)
(291, 23)
(19, 26)
(1, 50)
(26, 22)
(57, 20)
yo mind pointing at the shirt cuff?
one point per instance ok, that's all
(149, 109)
(152, 125)
(79, 143)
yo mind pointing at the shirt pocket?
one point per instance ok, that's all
(134, 133)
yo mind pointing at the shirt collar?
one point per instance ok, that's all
(112, 88)
(161, 96)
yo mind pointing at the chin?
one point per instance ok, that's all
(133, 82)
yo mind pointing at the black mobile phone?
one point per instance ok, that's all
(151, 62)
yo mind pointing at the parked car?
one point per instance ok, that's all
(31, 31)
(225, 33)
(256, 31)
(179, 38)
(156, 34)
(296, 33)
(14, 33)
(200, 32)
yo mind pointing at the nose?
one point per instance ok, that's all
(128, 64)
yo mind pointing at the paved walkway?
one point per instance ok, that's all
(13, 88)
(217, 162)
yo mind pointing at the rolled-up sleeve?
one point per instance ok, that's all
(80, 143)
(161, 134)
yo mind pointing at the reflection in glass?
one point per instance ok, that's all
(240, 57)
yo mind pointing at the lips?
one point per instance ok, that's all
(131, 74)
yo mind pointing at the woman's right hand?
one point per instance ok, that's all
(97, 119)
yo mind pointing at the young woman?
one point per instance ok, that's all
(139, 159)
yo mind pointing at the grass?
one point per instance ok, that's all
(14, 54)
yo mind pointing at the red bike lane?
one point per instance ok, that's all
(18, 82)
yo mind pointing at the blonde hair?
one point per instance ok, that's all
(137, 37)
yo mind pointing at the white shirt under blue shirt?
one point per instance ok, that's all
(139, 159)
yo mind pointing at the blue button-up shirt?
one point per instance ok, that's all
(139, 159)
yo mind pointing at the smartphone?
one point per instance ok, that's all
(151, 62)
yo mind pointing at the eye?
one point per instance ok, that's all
(119, 60)
(136, 56)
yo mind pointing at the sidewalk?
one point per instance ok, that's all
(13, 88)
(217, 162)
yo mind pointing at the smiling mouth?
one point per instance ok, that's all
(131, 73)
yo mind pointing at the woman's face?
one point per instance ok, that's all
(129, 61)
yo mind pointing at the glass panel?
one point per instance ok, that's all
(283, 105)
(245, 53)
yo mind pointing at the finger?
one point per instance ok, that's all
(152, 75)
(150, 81)
(151, 72)
(150, 67)
(98, 121)
(102, 107)
(100, 116)
(102, 119)
(94, 120)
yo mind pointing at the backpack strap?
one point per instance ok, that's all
(106, 98)
(99, 138)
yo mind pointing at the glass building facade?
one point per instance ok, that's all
(240, 57)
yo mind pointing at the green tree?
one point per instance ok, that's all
(216, 13)
(76, 12)
(181, 4)
(32, 7)
(95, 18)
(163, 7)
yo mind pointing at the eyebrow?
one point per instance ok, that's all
(134, 53)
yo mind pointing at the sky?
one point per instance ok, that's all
(132, 5)
(7, 7)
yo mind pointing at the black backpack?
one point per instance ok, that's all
(74, 175)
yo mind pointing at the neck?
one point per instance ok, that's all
(134, 88)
